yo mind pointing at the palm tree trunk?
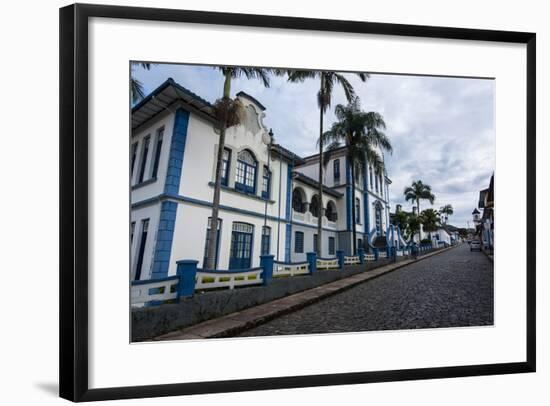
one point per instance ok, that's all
(320, 217)
(420, 224)
(353, 214)
(213, 232)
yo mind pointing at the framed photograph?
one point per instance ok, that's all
(258, 202)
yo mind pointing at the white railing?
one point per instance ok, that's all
(298, 216)
(354, 260)
(227, 279)
(369, 257)
(328, 263)
(331, 224)
(158, 290)
(382, 254)
(290, 269)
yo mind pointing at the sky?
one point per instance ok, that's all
(441, 128)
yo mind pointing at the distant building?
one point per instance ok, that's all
(486, 223)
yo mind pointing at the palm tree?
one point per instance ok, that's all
(362, 135)
(416, 192)
(446, 211)
(229, 113)
(430, 220)
(136, 87)
(413, 226)
(327, 80)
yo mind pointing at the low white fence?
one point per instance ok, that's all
(206, 279)
(353, 260)
(382, 254)
(290, 269)
(328, 263)
(156, 290)
(369, 257)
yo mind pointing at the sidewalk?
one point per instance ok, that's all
(234, 323)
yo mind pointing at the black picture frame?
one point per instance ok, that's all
(74, 201)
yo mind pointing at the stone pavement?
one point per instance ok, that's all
(235, 323)
(453, 289)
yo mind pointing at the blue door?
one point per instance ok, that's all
(241, 246)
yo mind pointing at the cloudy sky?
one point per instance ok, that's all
(441, 129)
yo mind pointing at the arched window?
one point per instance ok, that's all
(331, 211)
(245, 179)
(336, 170)
(298, 201)
(314, 206)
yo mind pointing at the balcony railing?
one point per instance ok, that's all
(309, 218)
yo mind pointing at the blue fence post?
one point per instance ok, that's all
(376, 254)
(361, 253)
(266, 262)
(394, 254)
(340, 256)
(187, 271)
(312, 261)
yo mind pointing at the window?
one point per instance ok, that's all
(298, 201)
(331, 212)
(376, 178)
(158, 148)
(299, 242)
(314, 207)
(370, 177)
(141, 248)
(133, 159)
(266, 183)
(266, 240)
(226, 160)
(144, 154)
(207, 242)
(331, 246)
(357, 211)
(315, 238)
(336, 171)
(245, 180)
(132, 229)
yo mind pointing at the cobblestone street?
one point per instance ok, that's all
(452, 289)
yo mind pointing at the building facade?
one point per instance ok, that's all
(269, 201)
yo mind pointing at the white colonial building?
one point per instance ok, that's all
(269, 201)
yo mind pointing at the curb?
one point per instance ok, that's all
(246, 319)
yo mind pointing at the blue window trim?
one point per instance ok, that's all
(266, 241)
(331, 246)
(299, 248)
(146, 145)
(242, 186)
(225, 174)
(266, 175)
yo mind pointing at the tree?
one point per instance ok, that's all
(413, 226)
(445, 212)
(430, 220)
(229, 113)
(136, 87)
(401, 220)
(362, 135)
(416, 192)
(328, 80)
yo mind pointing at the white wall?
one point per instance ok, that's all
(38, 384)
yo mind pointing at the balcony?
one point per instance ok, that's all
(310, 219)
